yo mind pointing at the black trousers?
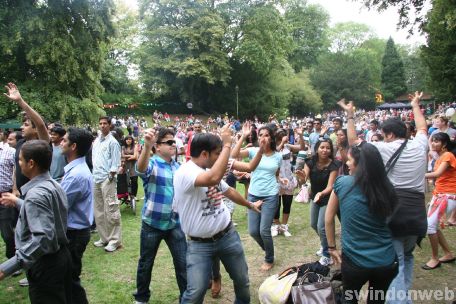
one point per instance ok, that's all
(8, 220)
(354, 277)
(78, 242)
(50, 278)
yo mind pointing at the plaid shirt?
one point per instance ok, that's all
(6, 167)
(159, 193)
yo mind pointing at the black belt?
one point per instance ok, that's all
(215, 237)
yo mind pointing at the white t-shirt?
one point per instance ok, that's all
(409, 170)
(201, 210)
(179, 145)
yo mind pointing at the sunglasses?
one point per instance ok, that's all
(168, 142)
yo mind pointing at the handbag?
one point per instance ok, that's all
(303, 195)
(276, 288)
(314, 291)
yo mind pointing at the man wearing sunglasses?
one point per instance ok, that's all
(159, 221)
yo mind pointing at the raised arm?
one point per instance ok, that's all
(213, 176)
(420, 121)
(251, 165)
(236, 152)
(149, 141)
(15, 95)
(351, 130)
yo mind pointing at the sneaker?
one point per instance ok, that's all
(111, 247)
(99, 243)
(319, 252)
(23, 282)
(138, 302)
(235, 224)
(17, 273)
(326, 261)
(284, 229)
(274, 230)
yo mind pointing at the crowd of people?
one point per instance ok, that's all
(371, 169)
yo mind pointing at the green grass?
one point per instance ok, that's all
(110, 278)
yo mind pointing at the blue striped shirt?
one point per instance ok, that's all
(159, 193)
(105, 157)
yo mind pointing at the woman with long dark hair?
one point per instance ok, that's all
(365, 199)
(322, 171)
(287, 188)
(342, 150)
(264, 185)
(443, 199)
(130, 153)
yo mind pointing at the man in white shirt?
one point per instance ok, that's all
(206, 220)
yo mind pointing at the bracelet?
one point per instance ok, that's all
(227, 146)
(332, 247)
(350, 117)
(250, 206)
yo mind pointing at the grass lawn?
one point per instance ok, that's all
(110, 278)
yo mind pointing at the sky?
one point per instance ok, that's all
(383, 24)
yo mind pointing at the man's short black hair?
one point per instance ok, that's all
(40, 151)
(107, 118)
(58, 129)
(394, 126)
(82, 138)
(374, 121)
(204, 142)
(162, 132)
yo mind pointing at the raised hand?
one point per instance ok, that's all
(299, 131)
(348, 107)
(13, 92)
(246, 129)
(225, 134)
(415, 99)
(150, 136)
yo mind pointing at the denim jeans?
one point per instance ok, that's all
(260, 224)
(200, 256)
(317, 221)
(150, 241)
(404, 247)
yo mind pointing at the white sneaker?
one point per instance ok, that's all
(24, 282)
(274, 230)
(319, 252)
(137, 302)
(111, 247)
(284, 229)
(326, 261)
(99, 243)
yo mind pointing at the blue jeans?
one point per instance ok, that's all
(150, 241)
(260, 224)
(404, 247)
(317, 222)
(200, 257)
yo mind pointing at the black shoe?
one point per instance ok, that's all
(426, 267)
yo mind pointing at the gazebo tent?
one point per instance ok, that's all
(395, 105)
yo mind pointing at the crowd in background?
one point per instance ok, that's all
(370, 169)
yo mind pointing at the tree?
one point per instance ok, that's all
(393, 76)
(440, 53)
(405, 9)
(347, 36)
(415, 70)
(54, 51)
(309, 28)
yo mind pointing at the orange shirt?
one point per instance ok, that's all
(446, 183)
